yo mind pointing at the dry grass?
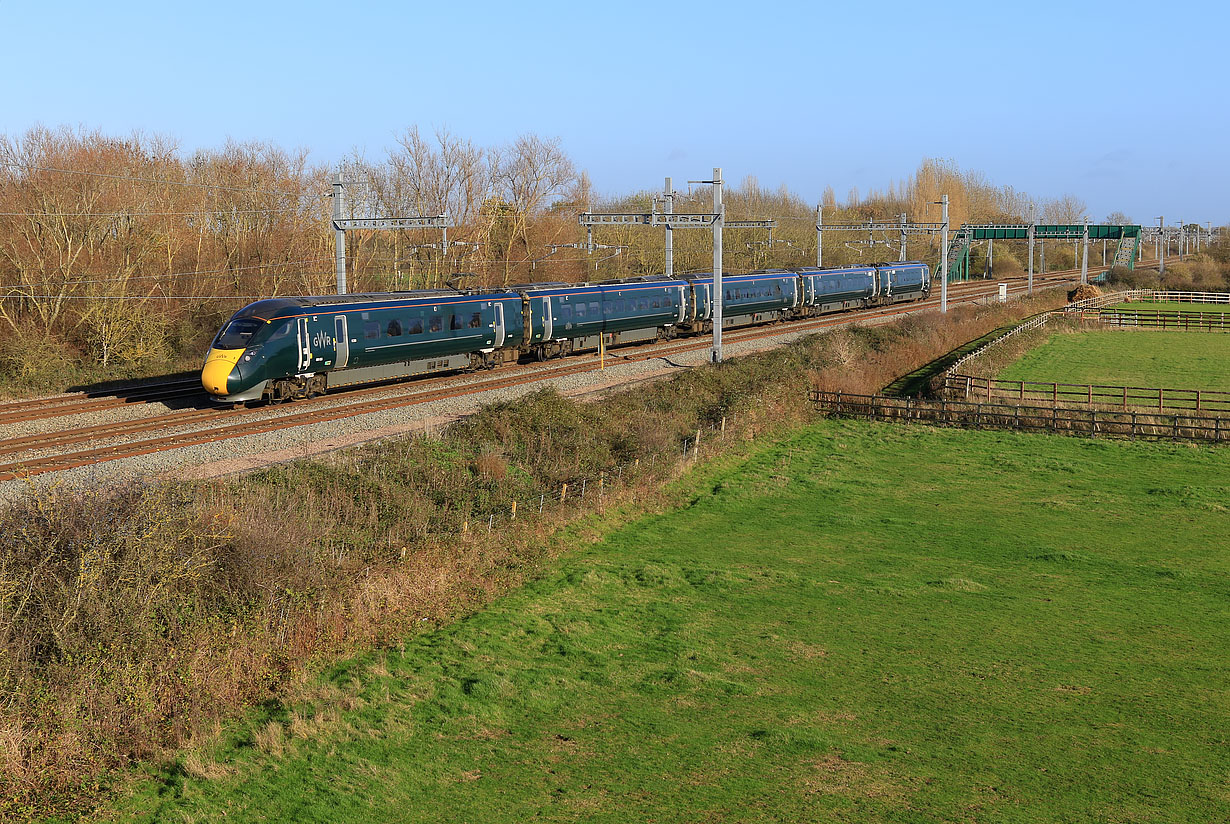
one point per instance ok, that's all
(198, 767)
(160, 609)
(271, 738)
(863, 360)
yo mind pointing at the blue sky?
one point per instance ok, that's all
(1123, 104)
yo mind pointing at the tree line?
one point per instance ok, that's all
(124, 251)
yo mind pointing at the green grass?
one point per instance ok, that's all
(1002, 628)
(1183, 360)
(1149, 306)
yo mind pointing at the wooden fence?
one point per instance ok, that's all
(1166, 321)
(1024, 417)
(1122, 398)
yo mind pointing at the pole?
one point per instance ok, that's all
(589, 240)
(944, 256)
(1161, 254)
(1181, 237)
(670, 237)
(819, 236)
(990, 256)
(1031, 257)
(903, 237)
(718, 210)
(339, 234)
(1085, 254)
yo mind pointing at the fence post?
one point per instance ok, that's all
(542, 499)
(563, 493)
(513, 515)
(1133, 426)
(1197, 400)
(583, 482)
(1054, 393)
(838, 410)
(491, 522)
(1159, 399)
(1021, 394)
(1175, 434)
(723, 424)
(1090, 395)
(968, 382)
(1093, 423)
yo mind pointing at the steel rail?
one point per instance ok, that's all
(31, 443)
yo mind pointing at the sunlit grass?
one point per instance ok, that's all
(1187, 360)
(859, 623)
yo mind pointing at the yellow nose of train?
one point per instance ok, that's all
(218, 366)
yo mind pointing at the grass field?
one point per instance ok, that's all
(1149, 306)
(1182, 360)
(1002, 628)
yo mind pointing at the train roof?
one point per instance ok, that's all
(273, 307)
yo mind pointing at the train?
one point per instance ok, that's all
(285, 348)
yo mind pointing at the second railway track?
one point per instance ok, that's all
(241, 422)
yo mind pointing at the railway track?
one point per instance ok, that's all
(240, 422)
(93, 401)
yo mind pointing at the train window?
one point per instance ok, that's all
(580, 310)
(371, 330)
(778, 289)
(456, 322)
(282, 331)
(594, 310)
(394, 328)
(236, 334)
(728, 294)
(437, 323)
(414, 326)
(565, 312)
(476, 320)
(643, 304)
(656, 303)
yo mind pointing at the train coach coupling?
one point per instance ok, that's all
(218, 366)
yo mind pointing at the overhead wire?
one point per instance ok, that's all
(212, 273)
(154, 214)
(31, 167)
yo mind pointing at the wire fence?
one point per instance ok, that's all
(576, 492)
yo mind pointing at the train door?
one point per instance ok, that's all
(683, 305)
(341, 339)
(499, 324)
(548, 323)
(305, 345)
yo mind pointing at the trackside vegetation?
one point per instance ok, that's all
(1002, 628)
(134, 618)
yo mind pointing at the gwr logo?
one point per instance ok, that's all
(322, 339)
